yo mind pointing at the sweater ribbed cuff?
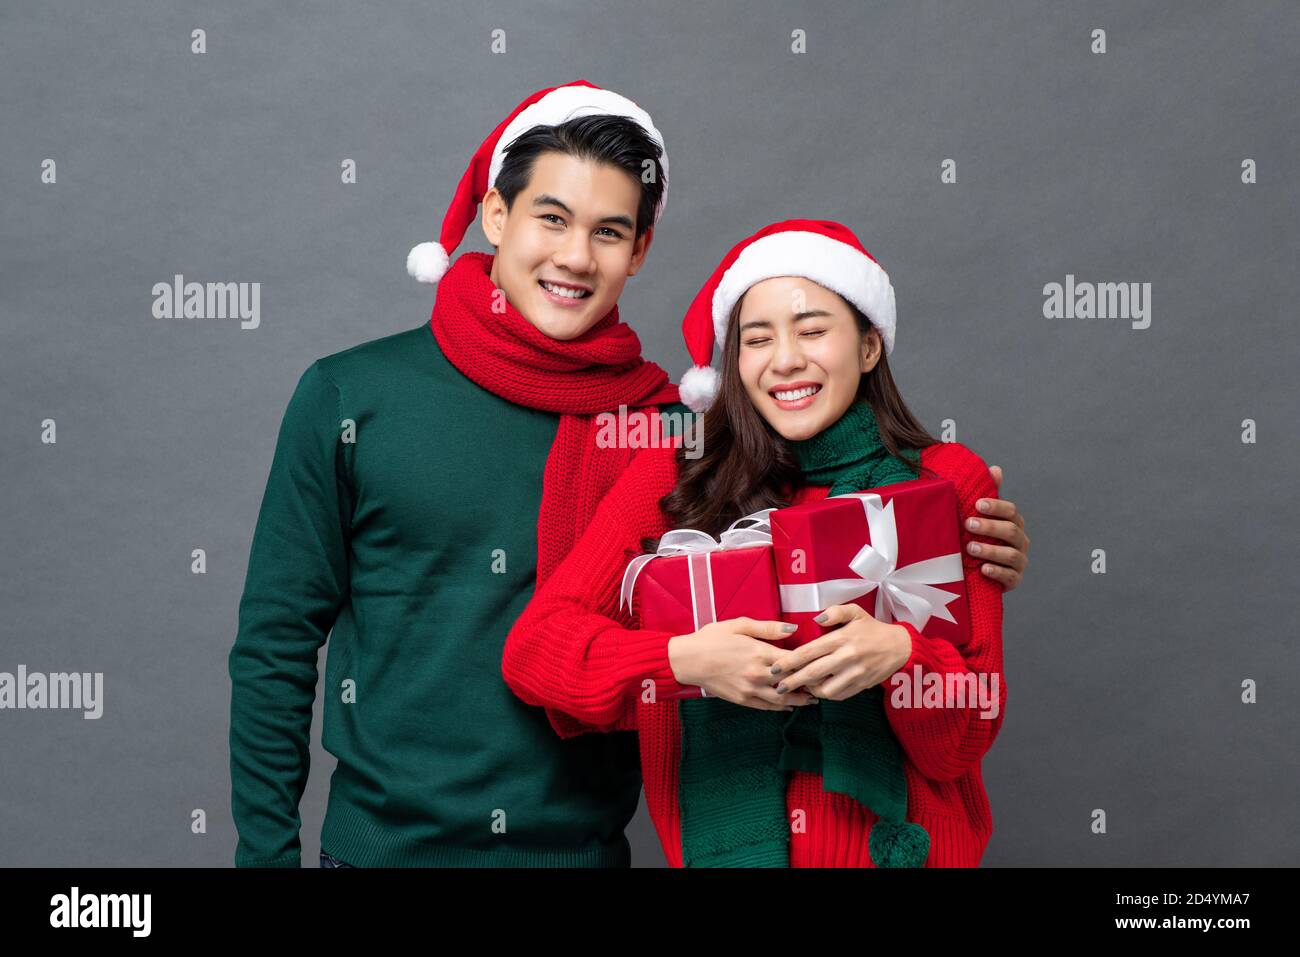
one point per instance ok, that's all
(645, 654)
(921, 655)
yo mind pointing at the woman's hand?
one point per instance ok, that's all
(732, 660)
(859, 654)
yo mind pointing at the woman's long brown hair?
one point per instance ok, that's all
(745, 465)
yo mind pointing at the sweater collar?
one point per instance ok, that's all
(849, 455)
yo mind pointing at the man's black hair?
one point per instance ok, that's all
(615, 140)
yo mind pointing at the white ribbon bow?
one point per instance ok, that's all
(902, 594)
(690, 541)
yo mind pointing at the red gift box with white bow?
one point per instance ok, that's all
(894, 550)
(693, 580)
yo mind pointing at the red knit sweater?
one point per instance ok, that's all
(574, 653)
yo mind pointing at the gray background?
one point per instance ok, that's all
(1123, 689)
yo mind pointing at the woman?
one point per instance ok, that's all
(757, 772)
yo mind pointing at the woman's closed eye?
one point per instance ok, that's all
(765, 339)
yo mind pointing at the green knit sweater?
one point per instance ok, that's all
(414, 540)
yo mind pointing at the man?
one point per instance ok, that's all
(422, 484)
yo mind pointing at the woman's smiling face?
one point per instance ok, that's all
(801, 354)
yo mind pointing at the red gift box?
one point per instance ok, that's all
(695, 580)
(894, 550)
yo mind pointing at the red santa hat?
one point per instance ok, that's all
(428, 262)
(825, 252)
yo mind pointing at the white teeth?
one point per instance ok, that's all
(566, 293)
(796, 393)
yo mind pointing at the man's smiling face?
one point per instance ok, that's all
(568, 244)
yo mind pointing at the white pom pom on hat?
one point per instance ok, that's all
(699, 387)
(826, 252)
(428, 262)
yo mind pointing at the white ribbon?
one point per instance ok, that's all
(690, 541)
(902, 594)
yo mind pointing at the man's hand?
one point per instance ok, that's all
(999, 518)
(859, 654)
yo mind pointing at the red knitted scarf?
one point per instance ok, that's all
(597, 372)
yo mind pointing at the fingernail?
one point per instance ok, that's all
(982, 505)
(789, 628)
(780, 689)
(821, 619)
(815, 701)
(971, 523)
(776, 669)
(974, 548)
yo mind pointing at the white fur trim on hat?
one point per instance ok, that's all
(569, 102)
(699, 387)
(828, 262)
(427, 262)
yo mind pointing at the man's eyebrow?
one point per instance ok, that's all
(545, 199)
(620, 220)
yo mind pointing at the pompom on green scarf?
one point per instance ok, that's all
(735, 760)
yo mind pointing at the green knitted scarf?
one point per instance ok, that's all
(734, 759)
